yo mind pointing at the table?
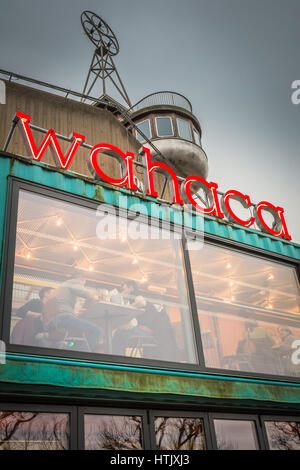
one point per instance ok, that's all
(110, 314)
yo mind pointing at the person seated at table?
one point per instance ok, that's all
(63, 317)
(284, 351)
(149, 323)
(31, 322)
(257, 344)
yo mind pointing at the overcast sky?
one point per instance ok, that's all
(235, 60)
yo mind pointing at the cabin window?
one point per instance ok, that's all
(144, 126)
(164, 126)
(184, 129)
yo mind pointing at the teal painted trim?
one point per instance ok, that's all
(4, 171)
(38, 172)
(147, 370)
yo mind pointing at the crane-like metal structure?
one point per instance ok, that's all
(102, 65)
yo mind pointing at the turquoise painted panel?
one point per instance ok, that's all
(76, 374)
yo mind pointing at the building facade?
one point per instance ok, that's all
(129, 322)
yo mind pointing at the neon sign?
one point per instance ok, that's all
(218, 206)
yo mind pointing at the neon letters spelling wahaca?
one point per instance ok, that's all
(219, 208)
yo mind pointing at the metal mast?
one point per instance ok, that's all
(102, 65)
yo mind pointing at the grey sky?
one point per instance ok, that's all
(234, 59)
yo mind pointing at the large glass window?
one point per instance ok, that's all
(184, 129)
(29, 430)
(164, 126)
(88, 281)
(144, 126)
(113, 432)
(179, 433)
(248, 310)
(235, 434)
(283, 435)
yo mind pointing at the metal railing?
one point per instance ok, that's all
(163, 98)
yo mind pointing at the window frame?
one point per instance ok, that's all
(237, 247)
(190, 128)
(236, 417)
(136, 132)
(49, 408)
(17, 184)
(198, 133)
(156, 413)
(282, 418)
(172, 126)
(98, 410)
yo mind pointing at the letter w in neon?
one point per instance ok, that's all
(49, 139)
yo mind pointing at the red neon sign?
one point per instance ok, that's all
(231, 216)
(211, 191)
(127, 180)
(49, 139)
(278, 229)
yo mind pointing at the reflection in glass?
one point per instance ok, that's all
(144, 126)
(184, 129)
(24, 430)
(105, 432)
(248, 309)
(179, 434)
(92, 282)
(283, 435)
(235, 435)
(164, 126)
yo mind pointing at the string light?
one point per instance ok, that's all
(228, 265)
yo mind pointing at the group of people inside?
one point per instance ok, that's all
(51, 320)
(264, 352)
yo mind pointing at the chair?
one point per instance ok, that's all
(76, 341)
(142, 345)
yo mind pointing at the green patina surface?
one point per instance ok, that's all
(86, 376)
(79, 376)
